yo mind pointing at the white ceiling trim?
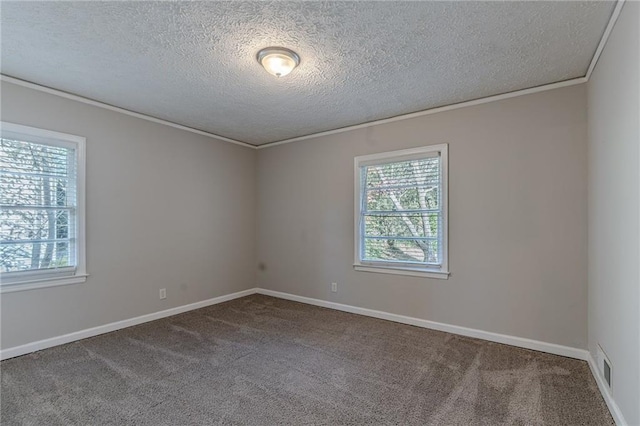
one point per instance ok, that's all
(437, 110)
(479, 101)
(88, 101)
(605, 37)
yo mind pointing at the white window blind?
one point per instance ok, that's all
(39, 215)
(401, 213)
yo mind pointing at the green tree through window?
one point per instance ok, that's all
(401, 210)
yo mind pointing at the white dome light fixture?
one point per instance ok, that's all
(278, 61)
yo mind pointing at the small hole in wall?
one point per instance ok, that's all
(262, 266)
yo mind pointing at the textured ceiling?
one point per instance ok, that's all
(194, 63)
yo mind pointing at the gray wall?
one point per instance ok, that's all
(614, 209)
(517, 214)
(165, 209)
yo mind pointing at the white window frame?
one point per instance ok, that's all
(29, 280)
(441, 271)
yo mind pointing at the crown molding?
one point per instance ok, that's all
(437, 110)
(103, 105)
(605, 37)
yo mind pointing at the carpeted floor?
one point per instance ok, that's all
(265, 361)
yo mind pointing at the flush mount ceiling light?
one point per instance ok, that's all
(278, 60)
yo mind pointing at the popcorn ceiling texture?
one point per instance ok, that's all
(194, 63)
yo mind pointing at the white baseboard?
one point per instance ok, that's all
(536, 345)
(464, 331)
(91, 332)
(521, 342)
(606, 393)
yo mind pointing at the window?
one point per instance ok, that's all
(41, 208)
(401, 212)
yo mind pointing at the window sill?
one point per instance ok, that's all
(43, 283)
(413, 272)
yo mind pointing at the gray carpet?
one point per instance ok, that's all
(265, 361)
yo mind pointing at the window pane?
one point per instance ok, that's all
(413, 172)
(402, 216)
(408, 185)
(34, 190)
(405, 250)
(402, 224)
(38, 200)
(28, 157)
(33, 256)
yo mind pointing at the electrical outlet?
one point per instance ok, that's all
(334, 287)
(163, 293)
